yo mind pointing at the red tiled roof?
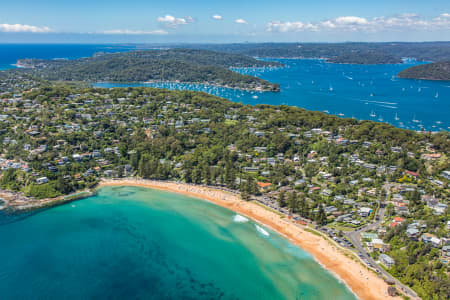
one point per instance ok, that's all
(264, 184)
(412, 173)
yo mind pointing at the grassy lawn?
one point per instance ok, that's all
(340, 227)
(268, 208)
(230, 122)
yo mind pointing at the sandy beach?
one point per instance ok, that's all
(363, 282)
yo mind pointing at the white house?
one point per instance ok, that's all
(387, 260)
(42, 180)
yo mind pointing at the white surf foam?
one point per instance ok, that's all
(388, 106)
(261, 230)
(380, 102)
(240, 219)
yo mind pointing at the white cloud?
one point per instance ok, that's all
(171, 21)
(442, 20)
(405, 21)
(277, 26)
(217, 17)
(241, 21)
(136, 32)
(23, 28)
(351, 20)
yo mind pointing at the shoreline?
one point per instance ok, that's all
(149, 82)
(365, 284)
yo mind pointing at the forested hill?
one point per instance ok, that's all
(356, 53)
(183, 65)
(365, 58)
(434, 71)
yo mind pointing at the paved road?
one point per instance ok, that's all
(355, 238)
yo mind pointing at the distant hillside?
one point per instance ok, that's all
(183, 65)
(434, 71)
(356, 53)
(365, 58)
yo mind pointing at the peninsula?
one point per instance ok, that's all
(361, 183)
(177, 65)
(433, 71)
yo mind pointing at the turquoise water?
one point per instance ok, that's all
(136, 243)
(357, 91)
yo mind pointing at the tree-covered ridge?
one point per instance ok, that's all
(433, 71)
(170, 125)
(365, 58)
(383, 53)
(181, 65)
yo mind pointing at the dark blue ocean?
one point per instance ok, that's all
(10, 53)
(353, 91)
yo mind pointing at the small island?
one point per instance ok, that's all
(174, 65)
(433, 71)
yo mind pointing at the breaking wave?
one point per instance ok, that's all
(261, 230)
(240, 219)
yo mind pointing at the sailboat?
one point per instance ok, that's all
(372, 114)
(396, 117)
(437, 95)
(415, 120)
(380, 119)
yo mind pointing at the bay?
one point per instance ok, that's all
(138, 243)
(364, 92)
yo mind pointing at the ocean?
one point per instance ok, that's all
(10, 53)
(138, 243)
(364, 92)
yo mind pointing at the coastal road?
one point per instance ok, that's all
(355, 238)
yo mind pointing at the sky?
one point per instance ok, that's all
(181, 21)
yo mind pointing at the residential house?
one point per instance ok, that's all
(412, 232)
(264, 185)
(431, 239)
(378, 245)
(387, 260)
(365, 211)
(42, 180)
(446, 174)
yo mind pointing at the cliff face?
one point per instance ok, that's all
(434, 71)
